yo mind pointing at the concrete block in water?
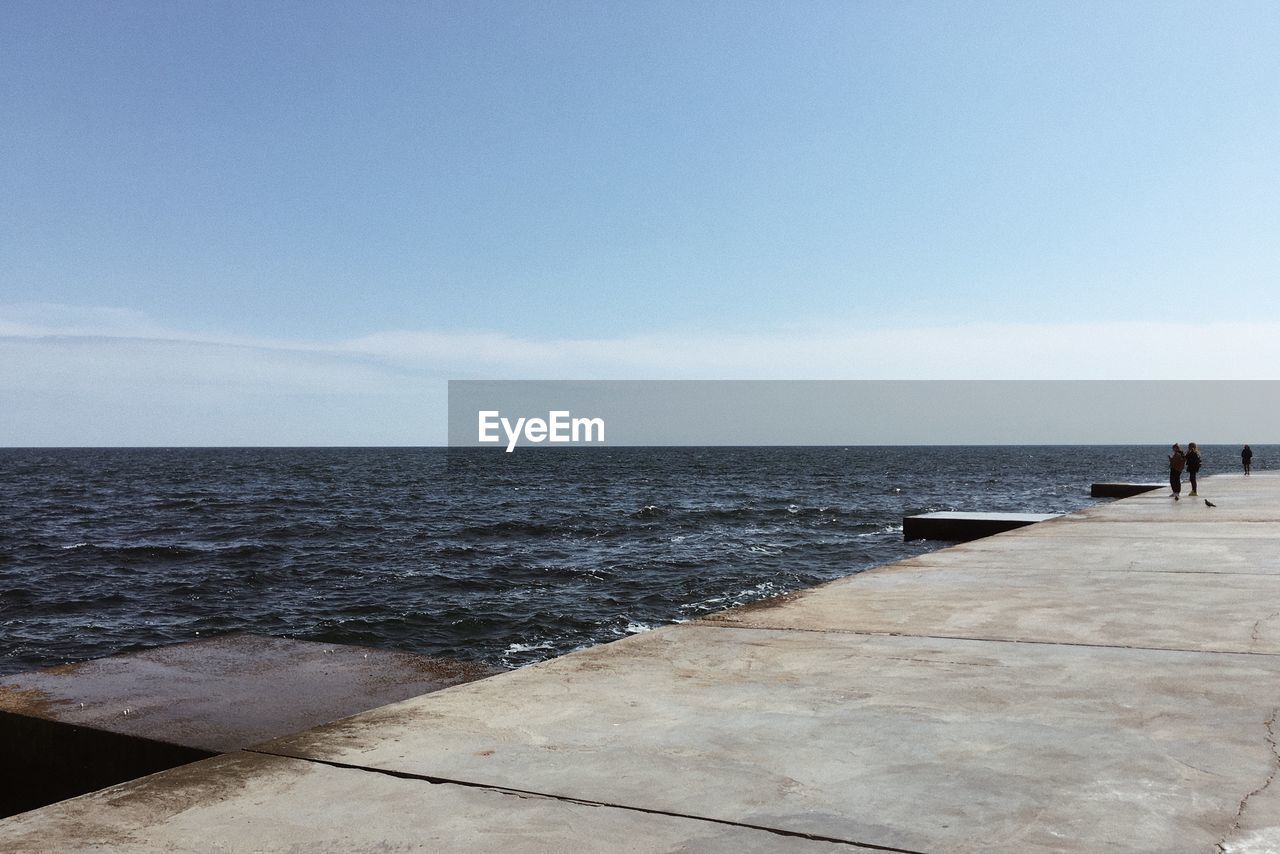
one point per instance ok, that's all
(959, 527)
(1121, 490)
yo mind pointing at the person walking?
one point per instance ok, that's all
(1246, 458)
(1177, 462)
(1193, 464)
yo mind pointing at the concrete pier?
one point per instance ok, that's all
(1106, 680)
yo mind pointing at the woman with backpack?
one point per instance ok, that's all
(1193, 464)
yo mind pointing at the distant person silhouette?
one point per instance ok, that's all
(1177, 462)
(1246, 458)
(1193, 464)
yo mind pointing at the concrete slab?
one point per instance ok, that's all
(1144, 550)
(250, 802)
(1238, 499)
(1140, 530)
(228, 692)
(1188, 511)
(73, 729)
(1187, 611)
(927, 745)
(959, 526)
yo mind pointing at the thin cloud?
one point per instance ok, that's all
(978, 351)
(94, 375)
(1113, 350)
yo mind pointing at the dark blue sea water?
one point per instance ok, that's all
(479, 554)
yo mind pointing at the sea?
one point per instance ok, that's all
(503, 559)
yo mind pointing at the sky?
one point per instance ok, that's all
(291, 223)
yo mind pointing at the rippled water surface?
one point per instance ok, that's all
(502, 558)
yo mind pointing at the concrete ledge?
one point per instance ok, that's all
(251, 802)
(1121, 490)
(73, 729)
(959, 527)
(46, 761)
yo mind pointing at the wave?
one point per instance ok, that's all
(506, 558)
(171, 551)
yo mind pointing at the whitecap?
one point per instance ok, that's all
(517, 648)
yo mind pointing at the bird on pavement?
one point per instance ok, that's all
(1208, 503)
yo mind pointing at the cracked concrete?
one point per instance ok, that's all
(1255, 635)
(1270, 725)
(253, 802)
(519, 793)
(1095, 682)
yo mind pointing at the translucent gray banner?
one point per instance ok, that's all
(519, 414)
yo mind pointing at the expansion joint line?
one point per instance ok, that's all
(526, 793)
(725, 624)
(1270, 724)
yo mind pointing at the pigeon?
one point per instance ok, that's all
(1208, 503)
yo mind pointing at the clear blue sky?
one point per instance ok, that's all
(422, 190)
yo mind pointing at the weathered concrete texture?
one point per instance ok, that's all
(933, 745)
(1189, 611)
(250, 802)
(958, 526)
(1126, 534)
(1141, 548)
(228, 692)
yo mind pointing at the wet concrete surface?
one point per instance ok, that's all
(68, 730)
(227, 692)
